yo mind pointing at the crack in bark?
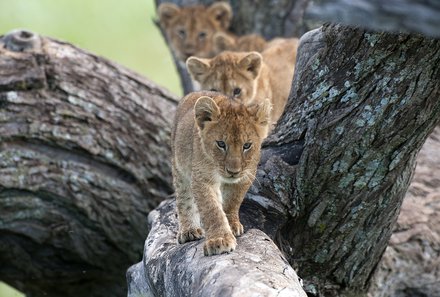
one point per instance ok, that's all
(55, 152)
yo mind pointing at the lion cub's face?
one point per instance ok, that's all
(234, 74)
(231, 135)
(190, 29)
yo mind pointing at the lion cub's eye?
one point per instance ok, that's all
(247, 146)
(221, 144)
(202, 35)
(214, 90)
(237, 91)
(181, 33)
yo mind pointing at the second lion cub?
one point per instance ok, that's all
(216, 149)
(250, 76)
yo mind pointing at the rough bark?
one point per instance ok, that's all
(256, 268)
(362, 105)
(83, 159)
(417, 16)
(268, 18)
(410, 265)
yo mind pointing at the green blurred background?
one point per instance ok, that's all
(122, 31)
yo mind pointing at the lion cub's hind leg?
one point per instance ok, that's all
(188, 214)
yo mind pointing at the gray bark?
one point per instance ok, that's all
(416, 16)
(410, 265)
(361, 110)
(256, 268)
(83, 159)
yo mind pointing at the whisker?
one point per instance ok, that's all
(252, 177)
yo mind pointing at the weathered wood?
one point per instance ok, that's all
(417, 16)
(83, 159)
(255, 268)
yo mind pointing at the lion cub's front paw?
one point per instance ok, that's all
(219, 245)
(237, 228)
(190, 235)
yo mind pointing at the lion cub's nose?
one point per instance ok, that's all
(233, 171)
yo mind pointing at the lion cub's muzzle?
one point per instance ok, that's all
(233, 167)
(232, 172)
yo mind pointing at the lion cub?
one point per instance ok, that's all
(190, 29)
(216, 149)
(250, 76)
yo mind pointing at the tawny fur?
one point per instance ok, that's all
(246, 43)
(256, 76)
(190, 30)
(210, 181)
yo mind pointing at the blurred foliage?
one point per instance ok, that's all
(6, 291)
(122, 31)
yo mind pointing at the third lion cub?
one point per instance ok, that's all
(190, 29)
(250, 76)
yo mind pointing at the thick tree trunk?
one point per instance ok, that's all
(410, 265)
(83, 159)
(362, 105)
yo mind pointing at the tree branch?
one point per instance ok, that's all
(170, 269)
(83, 159)
(417, 16)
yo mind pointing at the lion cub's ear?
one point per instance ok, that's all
(222, 13)
(166, 12)
(205, 110)
(252, 63)
(262, 112)
(197, 67)
(223, 42)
